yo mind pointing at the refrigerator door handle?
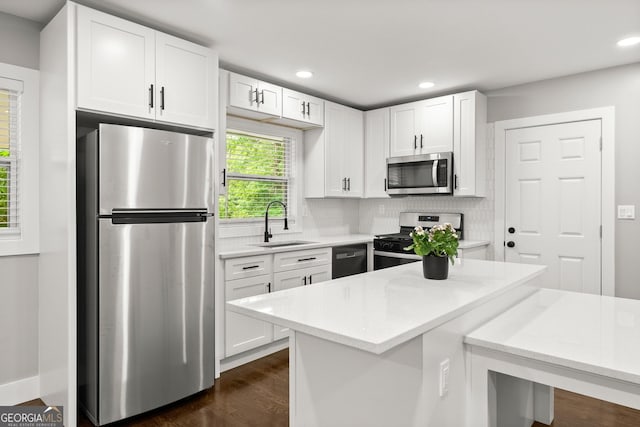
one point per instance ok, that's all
(159, 216)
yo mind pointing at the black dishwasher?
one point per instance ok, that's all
(349, 260)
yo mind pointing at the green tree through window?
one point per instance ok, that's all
(257, 173)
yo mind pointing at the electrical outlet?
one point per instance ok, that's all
(444, 377)
(626, 212)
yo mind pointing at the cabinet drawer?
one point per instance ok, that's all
(301, 259)
(239, 268)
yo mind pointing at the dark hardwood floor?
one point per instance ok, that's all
(257, 394)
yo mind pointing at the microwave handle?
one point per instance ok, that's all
(434, 173)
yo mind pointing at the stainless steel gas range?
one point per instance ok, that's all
(388, 249)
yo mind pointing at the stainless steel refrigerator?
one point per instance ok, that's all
(145, 269)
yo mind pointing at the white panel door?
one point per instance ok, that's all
(376, 149)
(242, 91)
(294, 105)
(242, 332)
(404, 122)
(269, 99)
(115, 64)
(353, 152)
(335, 131)
(553, 202)
(186, 84)
(435, 125)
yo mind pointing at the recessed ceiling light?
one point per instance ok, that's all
(629, 41)
(426, 85)
(304, 74)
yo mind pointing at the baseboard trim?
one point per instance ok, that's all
(251, 355)
(20, 391)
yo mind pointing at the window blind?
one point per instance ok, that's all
(9, 156)
(258, 172)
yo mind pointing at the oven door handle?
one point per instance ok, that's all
(397, 255)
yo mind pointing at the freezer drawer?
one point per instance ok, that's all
(156, 318)
(142, 168)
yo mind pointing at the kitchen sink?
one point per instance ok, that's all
(282, 244)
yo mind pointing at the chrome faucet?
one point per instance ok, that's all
(267, 232)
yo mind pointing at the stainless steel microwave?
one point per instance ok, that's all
(421, 174)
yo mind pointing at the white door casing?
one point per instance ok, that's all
(606, 115)
(553, 202)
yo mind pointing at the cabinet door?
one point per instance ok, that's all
(294, 279)
(269, 99)
(242, 91)
(435, 125)
(404, 123)
(376, 152)
(186, 77)
(115, 65)
(243, 333)
(469, 118)
(335, 130)
(314, 110)
(353, 152)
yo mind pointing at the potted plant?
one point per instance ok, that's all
(436, 246)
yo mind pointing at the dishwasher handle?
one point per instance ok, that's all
(354, 254)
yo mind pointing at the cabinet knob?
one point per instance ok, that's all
(511, 244)
(511, 230)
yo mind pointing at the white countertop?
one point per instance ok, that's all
(593, 333)
(321, 242)
(378, 310)
(316, 242)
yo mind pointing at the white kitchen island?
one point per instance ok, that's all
(367, 350)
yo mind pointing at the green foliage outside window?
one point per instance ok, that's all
(4, 193)
(257, 173)
(4, 153)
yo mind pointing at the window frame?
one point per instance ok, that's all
(26, 239)
(234, 227)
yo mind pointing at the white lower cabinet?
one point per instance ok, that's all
(243, 333)
(256, 275)
(295, 278)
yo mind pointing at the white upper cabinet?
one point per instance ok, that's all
(422, 127)
(376, 151)
(334, 155)
(469, 147)
(302, 108)
(254, 95)
(131, 70)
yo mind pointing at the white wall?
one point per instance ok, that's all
(619, 87)
(19, 274)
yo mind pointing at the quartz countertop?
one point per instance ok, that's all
(314, 242)
(320, 242)
(378, 310)
(593, 333)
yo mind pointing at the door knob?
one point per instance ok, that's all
(511, 244)
(511, 230)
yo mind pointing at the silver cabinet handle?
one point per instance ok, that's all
(308, 109)
(256, 100)
(344, 184)
(303, 110)
(348, 184)
(262, 95)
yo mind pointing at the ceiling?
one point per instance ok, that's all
(369, 53)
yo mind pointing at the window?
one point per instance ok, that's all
(9, 154)
(258, 172)
(19, 128)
